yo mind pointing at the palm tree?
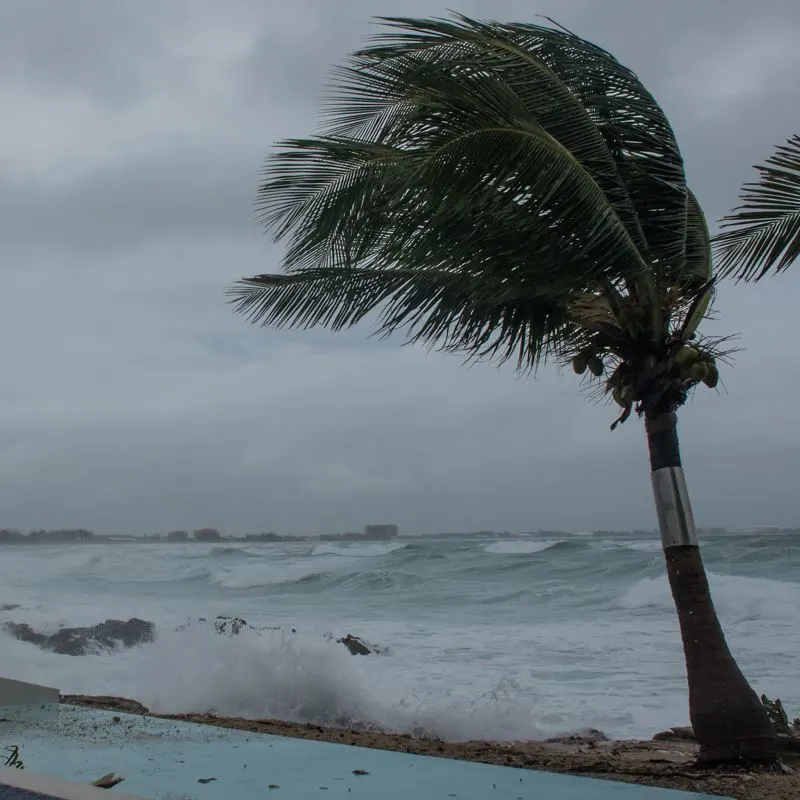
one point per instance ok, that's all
(763, 233)
(511, 191)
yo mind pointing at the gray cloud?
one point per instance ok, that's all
(109, 52)
(178, 191)
(135, 400)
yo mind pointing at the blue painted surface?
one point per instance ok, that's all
(166, 760)
(27, 712)
(12, 793)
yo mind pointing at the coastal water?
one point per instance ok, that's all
(492, 638)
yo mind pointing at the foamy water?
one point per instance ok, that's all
(509, 638)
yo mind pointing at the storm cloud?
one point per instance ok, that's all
(134, 400)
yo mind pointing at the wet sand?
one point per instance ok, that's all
(656, 763)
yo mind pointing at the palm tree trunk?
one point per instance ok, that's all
(728, 718)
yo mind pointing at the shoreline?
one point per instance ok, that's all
(664, 763)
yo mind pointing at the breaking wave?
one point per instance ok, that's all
(504, 638)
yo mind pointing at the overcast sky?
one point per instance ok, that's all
(134, 400)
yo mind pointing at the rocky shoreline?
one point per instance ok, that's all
(116, 634)
(666, 761)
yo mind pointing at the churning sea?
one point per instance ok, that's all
(518, 637)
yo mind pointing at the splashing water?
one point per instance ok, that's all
(511, 638)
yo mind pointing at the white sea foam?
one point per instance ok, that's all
(642, 546)
(303, 677)
(358, 550)
(251, 576)
(738, 598)
(519, 546)
(460, 665)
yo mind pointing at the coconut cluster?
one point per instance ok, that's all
(696, 366)
(588, 359)
(648, 380)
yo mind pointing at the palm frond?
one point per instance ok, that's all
(579, 92)
(447, 311)
(699, 285)
(477, 174)
(699, 262)
(763, 233)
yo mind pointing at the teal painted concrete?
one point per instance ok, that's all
(11, 793)
(28, 712)
(169, 760)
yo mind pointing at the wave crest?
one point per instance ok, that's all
(519, 547)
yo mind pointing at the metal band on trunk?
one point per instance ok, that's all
(675, 519)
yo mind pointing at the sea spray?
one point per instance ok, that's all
(515, 637)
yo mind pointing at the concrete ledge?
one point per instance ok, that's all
(19, 693)
(18, 784)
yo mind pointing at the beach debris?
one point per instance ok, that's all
(122, 704)
(588, 736)
(677, 734)
(12, 759)
(661, 756)
(779, 718)
(109, 635)
(788, 732)
(108, 781)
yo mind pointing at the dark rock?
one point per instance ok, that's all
(230, 626)
(109, 635)
(23, 632)
(355, 645)
(679, 734)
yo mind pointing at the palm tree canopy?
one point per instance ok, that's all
(499, 190)
(763, 233)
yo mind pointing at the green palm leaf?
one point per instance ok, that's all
(472, 315)
(699, 268)
(477, 177)
(763, 234)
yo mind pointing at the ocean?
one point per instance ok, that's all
(519, 637)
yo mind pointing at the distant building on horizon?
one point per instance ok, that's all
(207, 535)
(263, 537)
(177, 536)
(73, 535)
(380, 531)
